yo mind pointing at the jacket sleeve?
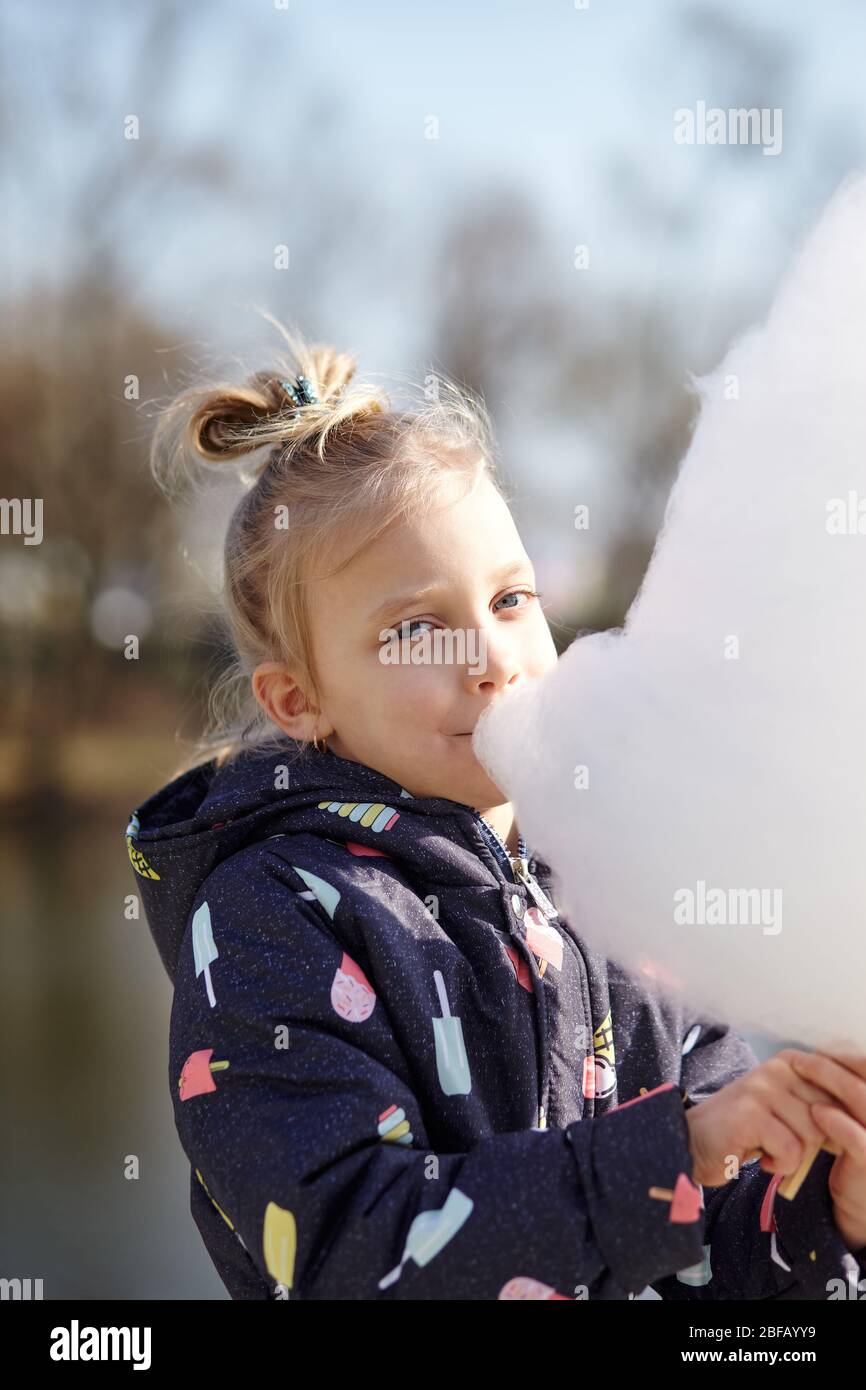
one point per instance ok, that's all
(295, 1103)
(757, 1244)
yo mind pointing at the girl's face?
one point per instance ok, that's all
(460, 567)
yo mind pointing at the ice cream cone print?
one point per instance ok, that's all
(430, 1231)
(523, 1287)
(352, 995)
(136, 858)
(196, 1079)
(452, 1064)
(204, 950)
(279, 1243)
(394, 1127)
(373, 814)
(542, 939)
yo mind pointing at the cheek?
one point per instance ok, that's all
(390, 685)
(539, 654)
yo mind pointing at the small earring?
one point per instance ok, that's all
(324, 747)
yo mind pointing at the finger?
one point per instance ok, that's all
(844, 1085)
(847, 1054)
(844, 1130)
(795, 1111)
(783, 1148)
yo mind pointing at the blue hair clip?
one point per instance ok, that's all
(301, 392)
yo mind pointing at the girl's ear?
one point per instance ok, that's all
(283, 700)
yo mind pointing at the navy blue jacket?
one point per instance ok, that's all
(396, 1074)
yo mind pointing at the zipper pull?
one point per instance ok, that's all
(520, 870)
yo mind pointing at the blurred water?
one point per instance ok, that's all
(83, 1043)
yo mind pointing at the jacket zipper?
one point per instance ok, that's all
(519, 866)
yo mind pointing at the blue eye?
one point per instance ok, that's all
(516, 593)
(406, 627)
(408, 624)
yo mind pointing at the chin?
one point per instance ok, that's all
(477, 789)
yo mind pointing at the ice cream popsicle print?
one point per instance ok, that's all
(452, 1064)
(279, 1243)
(204, 950)
(699, 1274)
(686, 1199)
(430, 1231)
(196, 1079)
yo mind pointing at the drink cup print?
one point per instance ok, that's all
(430, 1231)
(452, 1064)
(204, 950)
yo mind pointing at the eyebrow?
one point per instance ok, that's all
(397, 601)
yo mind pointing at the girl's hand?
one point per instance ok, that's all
(769, 1109)
(843, 1074)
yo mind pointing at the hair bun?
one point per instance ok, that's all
(294, 405)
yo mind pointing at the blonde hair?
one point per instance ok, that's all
(340, 469)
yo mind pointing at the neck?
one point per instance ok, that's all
(503, 822)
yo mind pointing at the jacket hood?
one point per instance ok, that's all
(185, 829)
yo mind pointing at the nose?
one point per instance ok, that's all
(499, 669)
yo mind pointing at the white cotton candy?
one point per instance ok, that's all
(723, 729)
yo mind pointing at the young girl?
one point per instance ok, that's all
(397, 1072)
